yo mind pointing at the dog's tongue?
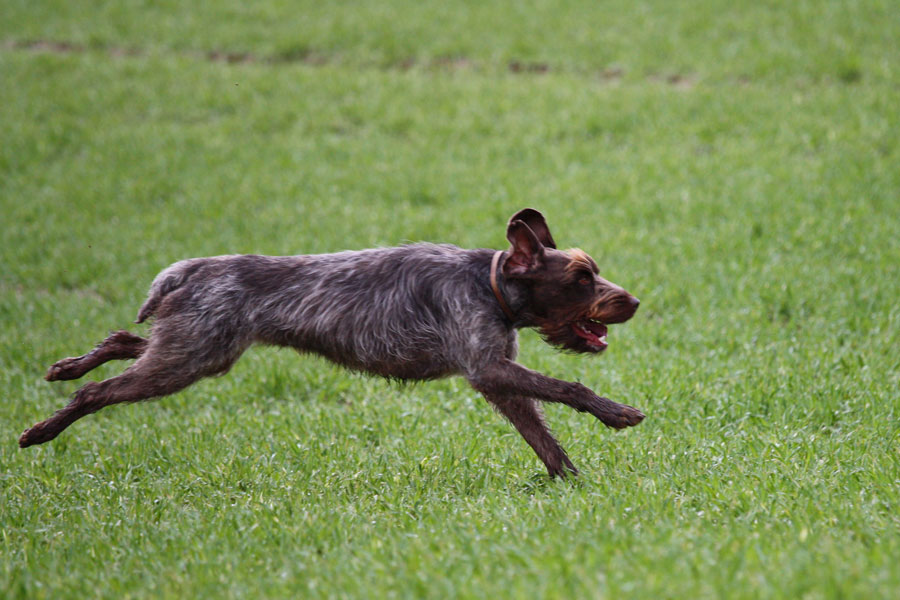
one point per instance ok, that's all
(594, 333)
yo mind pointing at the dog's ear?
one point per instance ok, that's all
(527, 252)
(535, 221)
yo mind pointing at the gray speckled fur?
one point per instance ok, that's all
(413, 312)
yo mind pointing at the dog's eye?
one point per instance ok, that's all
(585, 280)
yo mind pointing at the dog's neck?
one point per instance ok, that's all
(510, 295)
(495, 286)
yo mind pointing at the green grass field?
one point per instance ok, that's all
(735, 167)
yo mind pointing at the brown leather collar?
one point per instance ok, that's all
(494, 262)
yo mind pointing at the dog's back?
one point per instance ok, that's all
(407, 312)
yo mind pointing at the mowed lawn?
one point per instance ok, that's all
(737, 168)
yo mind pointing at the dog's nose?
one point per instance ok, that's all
(634, 303)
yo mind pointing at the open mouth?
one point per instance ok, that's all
(592, 331)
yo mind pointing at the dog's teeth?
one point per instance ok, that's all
(603, 338)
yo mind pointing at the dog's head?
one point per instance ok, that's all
(566, 299)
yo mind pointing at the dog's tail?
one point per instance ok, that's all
(167, 281)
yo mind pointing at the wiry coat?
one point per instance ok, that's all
(415, 312)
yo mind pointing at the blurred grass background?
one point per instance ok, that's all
(734, 166)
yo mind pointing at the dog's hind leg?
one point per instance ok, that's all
(119, 345)
(163, 369)
(525, 415)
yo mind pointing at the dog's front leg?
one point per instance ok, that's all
(526, 416)
(509, 378)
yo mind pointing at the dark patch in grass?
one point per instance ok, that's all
(850, 75)
(46, 46)
(454, 63)
(676, 80)
(63, 47)
(530, 67)
(230, 57)
(298, 54)
(423, 198)
(612, 74)
(308, 56)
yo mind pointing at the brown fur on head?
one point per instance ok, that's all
(567, 300)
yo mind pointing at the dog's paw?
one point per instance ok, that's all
(561, 467)
(64, 370)
(615, 415)
(629, 416)
(36, 435)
